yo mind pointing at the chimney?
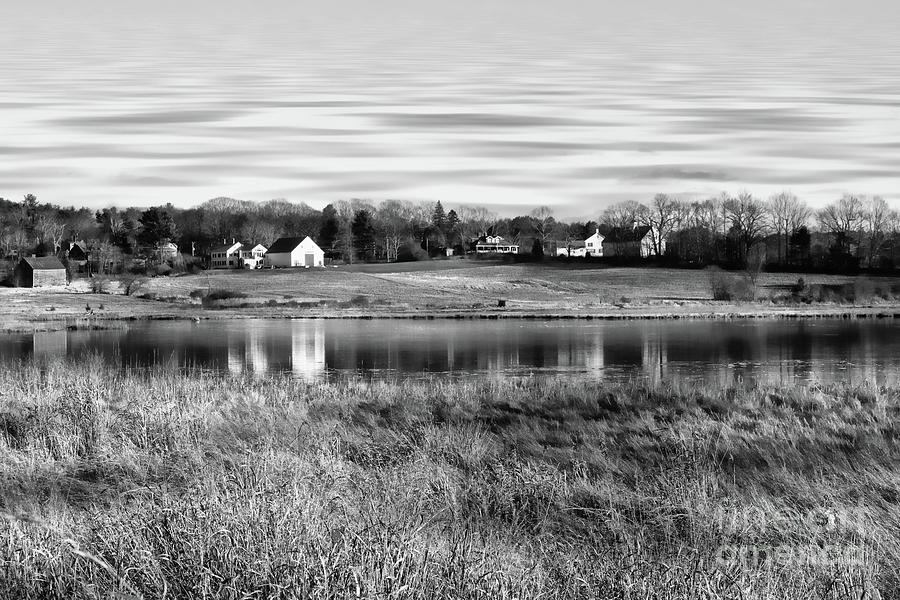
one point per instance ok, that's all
(232, 241)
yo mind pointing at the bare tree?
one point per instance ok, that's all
(542, 222)
(622, 214)
(50, 228)
(663, 216)
(747, 217)
(842, 219)
(396, 224)
(876, 216)
(787, 214)
(475, 220)
(259, 231)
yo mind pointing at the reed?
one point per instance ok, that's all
(165, 484)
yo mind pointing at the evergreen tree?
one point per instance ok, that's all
(157, 225)
(331, 227)
(452, 220)
(438, 217)
(363, 235)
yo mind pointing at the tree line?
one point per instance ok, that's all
(730, 230)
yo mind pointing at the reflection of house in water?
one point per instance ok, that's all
(256, 350)
(581, 353)
(307, 349)
(654, 355)
(50, 344)
(594, 358)
(235, 355)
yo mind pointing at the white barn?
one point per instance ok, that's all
(295, 252)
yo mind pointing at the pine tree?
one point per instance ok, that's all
(157, 225)
(328, 234)
(452, 220)
(438, 217)
(363, 235)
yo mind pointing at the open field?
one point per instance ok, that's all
(167, 485)
(458, 287)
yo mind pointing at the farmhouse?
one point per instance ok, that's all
(294, 252)
(494, 244)
(593, 246)
(40, 272)
(631, 241)
(226, 256)
(254, 257)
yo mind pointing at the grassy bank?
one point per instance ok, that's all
(450, 290)
(166, 485)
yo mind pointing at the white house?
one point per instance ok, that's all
(593, 246)
(166, 250)
(494, 244)
(226, 256)
(254, 257)
(294, 252)
(571, 249)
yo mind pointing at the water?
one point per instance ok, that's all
(722, 352)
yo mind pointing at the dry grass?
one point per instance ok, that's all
(169, 485)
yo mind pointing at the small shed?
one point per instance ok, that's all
(295, 252)
(40, 271)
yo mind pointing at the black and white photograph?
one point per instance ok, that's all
(471, 299)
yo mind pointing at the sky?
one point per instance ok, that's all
(509, 104)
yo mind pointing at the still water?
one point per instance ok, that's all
(721, 352)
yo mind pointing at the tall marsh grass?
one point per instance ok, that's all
(166, 485)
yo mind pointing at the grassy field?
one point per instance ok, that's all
(167, 486)
(464, 287)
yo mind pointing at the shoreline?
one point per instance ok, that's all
(725, 312)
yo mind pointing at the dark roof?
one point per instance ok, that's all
(627, 234)
(224, 248)
(43, 263)
(285, 244)
(78, 249)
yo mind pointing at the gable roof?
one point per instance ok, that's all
(226, 247)
(287, 244)
(43, 263)
(501, 241)
(627, 234)
(78, 249)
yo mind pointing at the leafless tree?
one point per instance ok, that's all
(787, 214)
(397, 223)
(747, 217)
(542, 221)
(876, 216)
(663, 216)
(475, 220)
(622, 214)
(842, 219)
(50, 228)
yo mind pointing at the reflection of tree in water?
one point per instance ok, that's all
(775, 352)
